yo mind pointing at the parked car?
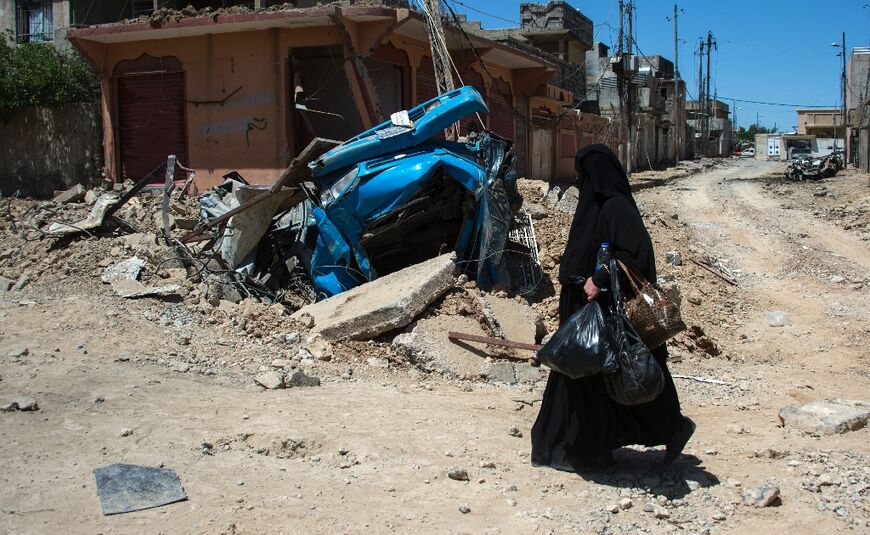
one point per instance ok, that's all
(748, 153)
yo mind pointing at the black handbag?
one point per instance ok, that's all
(582, 345)
(638, 378)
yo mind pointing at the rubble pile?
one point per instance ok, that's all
(260, 337)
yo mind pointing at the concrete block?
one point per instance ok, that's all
(74, 194)
(384, 304)
(827, 417)
(515, 320)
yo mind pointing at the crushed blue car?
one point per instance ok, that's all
(397, 195)
(391, 197)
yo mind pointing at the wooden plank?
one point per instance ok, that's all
(295, 173)
(492, 341)
(730, 281)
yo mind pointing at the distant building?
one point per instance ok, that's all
(858, 106)
(821, 122)
(720, 140)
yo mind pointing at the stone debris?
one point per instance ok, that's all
(74, 194)
(6, 284)
(761, 496)
(91, 222)
(776, 318)
(827, 417)
(569, 200)
(20, 403)
(123, 278)
(464, 508)
(270, 380)
(17, 352)
(385, 304)
(457, 473)
(301, 379)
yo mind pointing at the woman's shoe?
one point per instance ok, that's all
(675, 446)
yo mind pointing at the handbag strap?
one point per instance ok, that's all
(634, 279)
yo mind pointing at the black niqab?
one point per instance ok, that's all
(603, 179)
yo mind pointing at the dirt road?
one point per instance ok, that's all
(368, 451)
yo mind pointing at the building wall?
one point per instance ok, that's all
(7, 15)
(47, 149)
(218, 135)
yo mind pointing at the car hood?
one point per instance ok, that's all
(428, 119)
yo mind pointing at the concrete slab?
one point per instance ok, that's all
(515, 320)
(827, 417)
(387, 303)
(428, 348)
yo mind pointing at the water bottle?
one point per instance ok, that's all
(604, 256)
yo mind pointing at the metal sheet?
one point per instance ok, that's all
(124, 488)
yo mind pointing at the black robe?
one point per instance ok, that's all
(579, 425)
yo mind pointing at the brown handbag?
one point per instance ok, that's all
(654, 315)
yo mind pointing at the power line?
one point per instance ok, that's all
(782, 104)
(466, 6)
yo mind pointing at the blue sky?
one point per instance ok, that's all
(769, 50)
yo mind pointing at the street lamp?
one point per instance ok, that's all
(842, 53)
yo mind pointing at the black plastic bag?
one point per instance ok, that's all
(638, 377)
(582, 345)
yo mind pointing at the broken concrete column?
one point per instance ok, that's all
(384, 304)
(74, 194)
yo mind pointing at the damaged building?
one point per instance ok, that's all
(247, 91)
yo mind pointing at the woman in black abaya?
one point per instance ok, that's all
(579, 426)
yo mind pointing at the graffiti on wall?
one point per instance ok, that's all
(245, 125)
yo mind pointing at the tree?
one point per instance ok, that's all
(38, 74)
(749, 135)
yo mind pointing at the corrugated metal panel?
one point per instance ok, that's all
(151, 122)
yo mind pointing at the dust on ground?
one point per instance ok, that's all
(369, 449)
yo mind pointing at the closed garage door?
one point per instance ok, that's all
(151, 122)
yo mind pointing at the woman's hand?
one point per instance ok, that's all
(591, 290)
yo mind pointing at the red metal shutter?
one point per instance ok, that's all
(426, 87)
(501, 110)
(151, 122)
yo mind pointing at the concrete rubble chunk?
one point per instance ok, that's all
(387, 303)
(6, 284)
(827, 417)
(122, 276)
(74, 194)
(569, 201)
(552, 197)
(501, 372)
(270, 380)
(92, 221)
(513, 320)
(22, 281)
(301, 379)
(457, 473)
(18, 352)
(20, 403)
(761, 496)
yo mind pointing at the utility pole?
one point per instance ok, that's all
(700, 112)
(440, 55)
(629, 113)
(708, 102)
(621, 19)
(845, 121)
(675, 116)
(620, 87)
